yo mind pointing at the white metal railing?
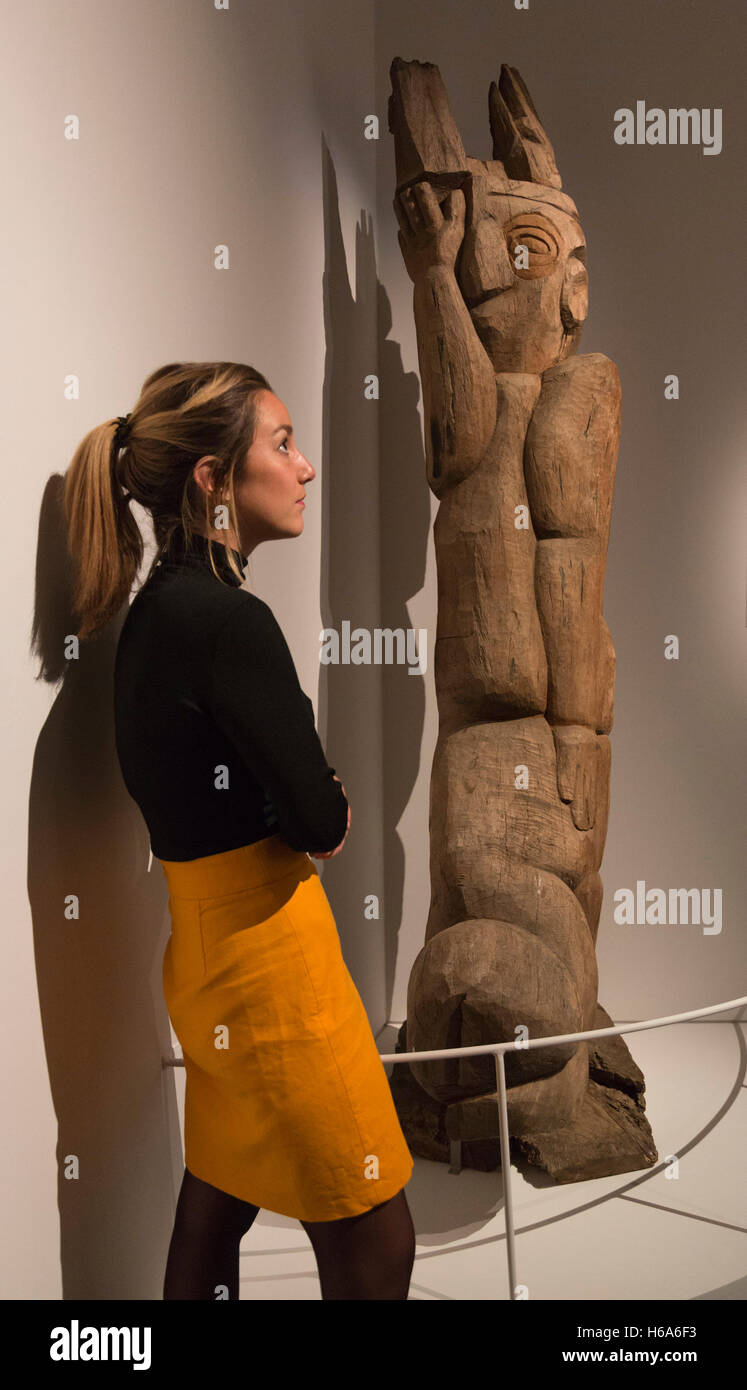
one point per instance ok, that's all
(498, 1050)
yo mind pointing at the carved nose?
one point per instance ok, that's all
(474, 300)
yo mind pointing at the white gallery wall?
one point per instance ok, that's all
(139, 139)
(196, 128)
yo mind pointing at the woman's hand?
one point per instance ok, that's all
(330, 854)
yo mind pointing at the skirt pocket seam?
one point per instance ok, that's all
(238, 893)
(208, 949)
(286, 914)
(327, 1038)
(202, 938)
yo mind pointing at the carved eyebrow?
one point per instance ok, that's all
(532, 198)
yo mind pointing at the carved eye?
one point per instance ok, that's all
(542, 242)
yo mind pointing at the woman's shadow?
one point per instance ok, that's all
(100, 924)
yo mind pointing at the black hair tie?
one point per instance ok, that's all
(122, 431)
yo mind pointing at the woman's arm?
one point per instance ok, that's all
(256, 699)
(316, 854)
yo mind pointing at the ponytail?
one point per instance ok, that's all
(104, 540)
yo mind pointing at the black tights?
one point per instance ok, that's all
(365, 1256)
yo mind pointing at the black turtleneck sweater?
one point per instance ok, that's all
(215, 737)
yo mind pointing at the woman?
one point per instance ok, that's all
(287, 1102)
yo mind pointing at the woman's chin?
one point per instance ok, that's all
(284, 530)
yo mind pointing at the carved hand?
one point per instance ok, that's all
(430, 233)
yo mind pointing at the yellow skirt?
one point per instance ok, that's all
(287, 1101)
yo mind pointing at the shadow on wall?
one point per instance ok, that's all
(349, 695)
(104, 1019)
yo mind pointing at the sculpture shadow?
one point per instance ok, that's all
(374, 563)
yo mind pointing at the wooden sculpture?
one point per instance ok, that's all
(521, 441)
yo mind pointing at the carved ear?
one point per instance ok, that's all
(427, 143)
(519, 139)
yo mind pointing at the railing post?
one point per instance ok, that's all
(508, 1210)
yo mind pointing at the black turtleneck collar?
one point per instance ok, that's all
(198, 553)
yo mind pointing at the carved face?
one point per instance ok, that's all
(521, 270)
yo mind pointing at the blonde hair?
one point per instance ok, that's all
(185, 411)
